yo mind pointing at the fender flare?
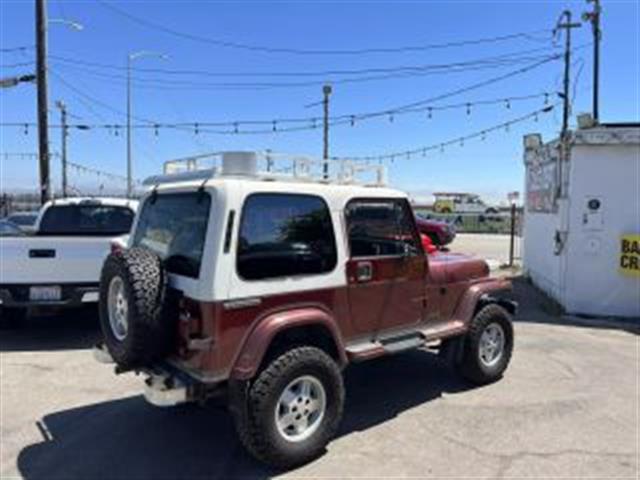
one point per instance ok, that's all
(482, 292)
(258, 341)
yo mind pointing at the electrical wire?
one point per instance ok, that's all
(530, 35)
(159, 84)
(17, 49)
(322, 73)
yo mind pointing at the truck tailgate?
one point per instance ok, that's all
(52, 260)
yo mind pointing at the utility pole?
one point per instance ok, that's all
(65, 133)
(326, 91)
(594, 18)
(41, 78)
(564, 135)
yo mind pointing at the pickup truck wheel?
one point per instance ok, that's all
(292, 409)
(137, 314)
(488, 345)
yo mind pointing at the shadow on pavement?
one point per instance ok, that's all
(536, 307)
(69, 330)
(129, 439)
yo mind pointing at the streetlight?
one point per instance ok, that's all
(69, 23)
(130, 58)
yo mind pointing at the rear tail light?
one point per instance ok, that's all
(116, 248)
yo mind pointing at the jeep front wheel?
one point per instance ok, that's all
(292, 409)
(487, 345)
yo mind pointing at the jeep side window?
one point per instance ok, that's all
(380, 228)
(283, 235)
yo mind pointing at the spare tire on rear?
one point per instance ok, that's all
(138, 313)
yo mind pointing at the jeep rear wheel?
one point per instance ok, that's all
(488, 345)
(292, 409)
(137, 313)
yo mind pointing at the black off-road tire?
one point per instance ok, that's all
(152, 312)
(471, 367)
(12, 318)
(254, 411)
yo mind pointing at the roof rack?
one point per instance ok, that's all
(269, 166)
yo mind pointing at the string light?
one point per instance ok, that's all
(481, 134)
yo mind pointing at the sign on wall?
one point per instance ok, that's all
(629, 261)
(541, 186)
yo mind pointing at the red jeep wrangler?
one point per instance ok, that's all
(266, 287)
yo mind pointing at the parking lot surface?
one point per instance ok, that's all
(567, 407)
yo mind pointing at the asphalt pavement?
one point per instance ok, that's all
(566, 408)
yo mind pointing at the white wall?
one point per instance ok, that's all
(594, 284)
(539, 261)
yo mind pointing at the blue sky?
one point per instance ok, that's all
(491, 167)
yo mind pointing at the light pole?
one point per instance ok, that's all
(130, 58)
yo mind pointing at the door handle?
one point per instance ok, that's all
(42, 253)
(364, 271)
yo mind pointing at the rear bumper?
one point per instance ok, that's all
(73, 295)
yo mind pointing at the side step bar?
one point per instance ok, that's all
(366, 350)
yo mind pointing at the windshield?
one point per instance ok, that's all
(86, 220)
(174, 226)
(23, 219)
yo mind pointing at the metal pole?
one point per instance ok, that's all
(41, 78)
(64, 129)
(129, 160)
(567, 64)
(326, 91)
(513, 234)
(594, 18)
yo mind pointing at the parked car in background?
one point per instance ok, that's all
(440, 232)
(59, 265)
(25, 220)
(9, 229)
(448, 202)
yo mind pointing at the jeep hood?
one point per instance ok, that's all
(447, 267)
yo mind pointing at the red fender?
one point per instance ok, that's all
(467, 305)
(256, 345)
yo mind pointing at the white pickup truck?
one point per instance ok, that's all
(59, 265)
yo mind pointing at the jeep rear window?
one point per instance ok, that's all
(283, 235)
(174, 225)
(86, 220)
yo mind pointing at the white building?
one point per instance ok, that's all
(582, 219)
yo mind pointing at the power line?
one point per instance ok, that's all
(412, 107)
(323, 73)
(530, 35)
(455, 141)
(17, 49)
(162, 84)
(16, 65)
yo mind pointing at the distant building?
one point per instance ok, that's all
(582, 219)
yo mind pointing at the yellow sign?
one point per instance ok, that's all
(630, 255)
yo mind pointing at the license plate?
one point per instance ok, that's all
(45, 293)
